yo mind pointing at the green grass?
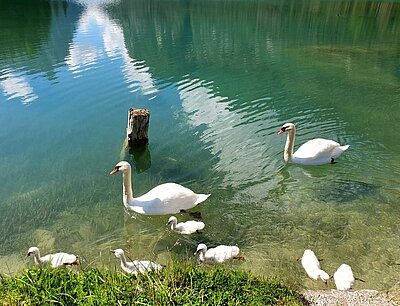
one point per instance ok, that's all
(177, 284)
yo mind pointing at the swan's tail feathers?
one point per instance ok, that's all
(202, 198)
(344, 148)
(324, 276)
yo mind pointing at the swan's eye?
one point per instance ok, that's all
(284, 128)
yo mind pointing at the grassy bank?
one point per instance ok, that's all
(177, 284)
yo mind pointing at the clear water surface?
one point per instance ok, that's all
(219, 78)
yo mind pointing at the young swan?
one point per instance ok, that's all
(219, 254)
(136, 266)
(316, 151)
(186, 228)
(53, 260)
(344, 278)
(311, 265)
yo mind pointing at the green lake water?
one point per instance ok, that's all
(219, 78)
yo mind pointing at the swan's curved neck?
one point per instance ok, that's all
(123, 260)
(127, 192)
(173, 225)
(288, 153)
(202, 255)
(36, 256)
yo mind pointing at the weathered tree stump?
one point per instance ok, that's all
(137, 131)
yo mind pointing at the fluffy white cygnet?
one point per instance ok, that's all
(344, 278)
(219, 254)
(311, 265)
(186, 228)
(136, 266)
(53, 260)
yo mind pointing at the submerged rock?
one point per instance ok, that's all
(346, 191)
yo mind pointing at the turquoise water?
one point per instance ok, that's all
(219, 78)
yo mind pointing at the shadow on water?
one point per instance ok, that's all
(140, 156)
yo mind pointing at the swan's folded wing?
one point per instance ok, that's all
(169, 193)
(144, 265)
(316, 148)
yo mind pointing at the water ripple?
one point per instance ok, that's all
(16, 85)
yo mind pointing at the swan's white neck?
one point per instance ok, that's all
(127, 194)
(123, 261)
(288, 153)
(173, 225)
(36, 257)
(202, 255)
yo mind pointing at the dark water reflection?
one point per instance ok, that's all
(219, 78)
(281, 44)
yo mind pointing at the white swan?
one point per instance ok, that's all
(186, 228)
(136, 266)
(53, 260)
(168, 198)
(316, 151)
(219, 254)
(312, 267)
(344, 278)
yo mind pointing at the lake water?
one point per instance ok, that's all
(219, 78)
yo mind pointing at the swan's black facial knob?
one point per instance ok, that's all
(115, 170)
(283, 130)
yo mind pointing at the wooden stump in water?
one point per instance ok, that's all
(137, 131)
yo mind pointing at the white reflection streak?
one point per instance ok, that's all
(17, 86)
(84, 51)
(238, 147)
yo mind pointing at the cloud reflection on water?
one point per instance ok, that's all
(17, 86)
(97, 36)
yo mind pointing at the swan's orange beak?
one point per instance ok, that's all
(115, 170)
(281, 132)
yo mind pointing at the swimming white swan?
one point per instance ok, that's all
(311, 265)
(186, 228)
(344, 278)
(316, 151)
(53, 260)
(168, 198)
(219, 254)
(136, 266)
